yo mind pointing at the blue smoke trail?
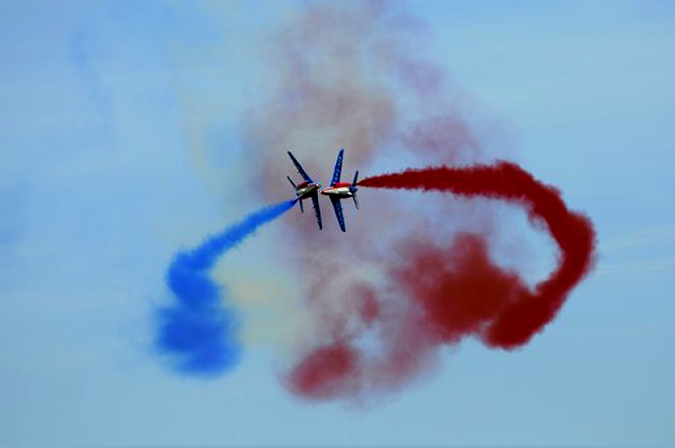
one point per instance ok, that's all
(199, 331)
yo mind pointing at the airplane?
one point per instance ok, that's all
(341, 190)
(306, 189)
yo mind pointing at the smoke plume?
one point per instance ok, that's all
(410, 275)
(451, 292)
(199, 331)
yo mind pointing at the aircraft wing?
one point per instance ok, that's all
(302, 172)
(317, 209)
(337, 205)
(338, 168)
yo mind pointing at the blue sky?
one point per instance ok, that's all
(101, 107)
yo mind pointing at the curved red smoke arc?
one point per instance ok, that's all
(458, 289)
(572, 231)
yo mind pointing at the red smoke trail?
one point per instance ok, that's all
(452, 292)
(381, 299)
(525, 312)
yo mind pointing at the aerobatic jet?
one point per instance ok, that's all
(341, 190)
(306, 189)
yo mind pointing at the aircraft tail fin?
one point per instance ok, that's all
(353, 188)
(291, 181)
(302, 210)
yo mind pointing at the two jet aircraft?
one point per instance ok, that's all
(308, 189)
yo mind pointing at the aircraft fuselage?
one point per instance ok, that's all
(340, 190)
(305, 189)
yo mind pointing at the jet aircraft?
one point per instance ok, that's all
(306, 189)
(341, 190)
